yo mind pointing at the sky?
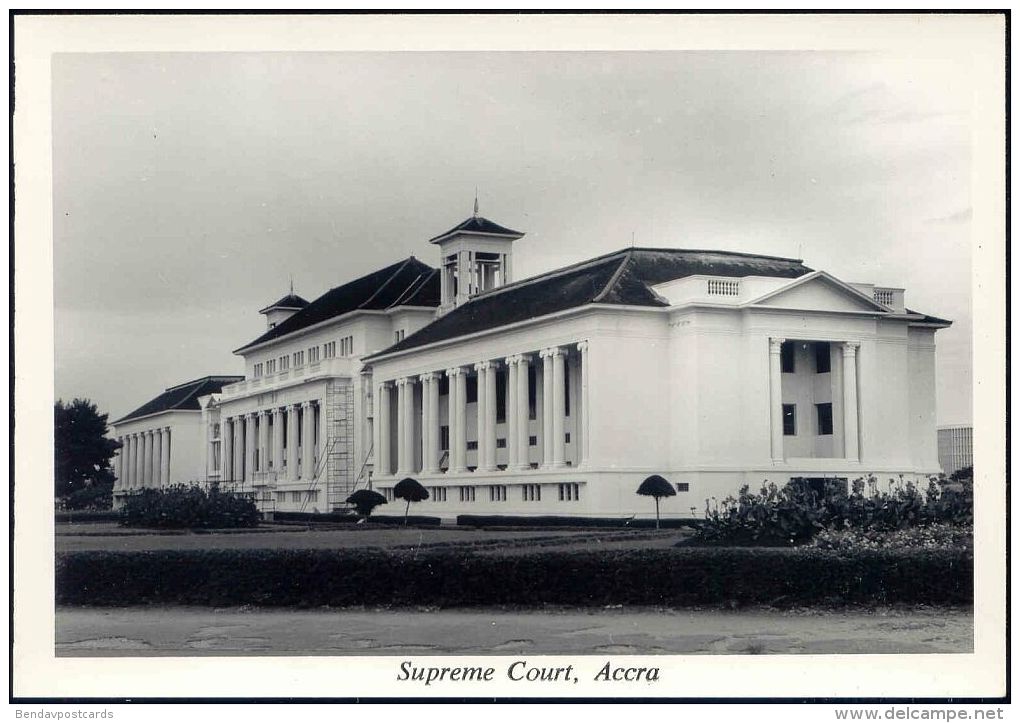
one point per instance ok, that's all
(191, 188)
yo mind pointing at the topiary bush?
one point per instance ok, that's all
(189, 507)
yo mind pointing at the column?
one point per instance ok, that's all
(307, 442)
(278, 442)
(128, 462)
(481, 412)
(227, 449)
(263, 442)
(146, 476)
(429, 423)
(165, 455)
(851, 437)
(238, 432)
(409, 425)
(776, 398)
(403, 468)
(547, 407)
(513, 447)
(157, 456)
(458, 428)
(249, 447)
(489, 462)
(559, 413)
(292, 441)
(382, 415)
(523, 414)
(139, 460)
(583, 421)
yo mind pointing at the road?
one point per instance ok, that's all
(204, 631)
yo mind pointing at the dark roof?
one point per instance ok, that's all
(478, 224)
(928, 319)
(407, 282)
(623, 277)
(183, 396)
(290, 301)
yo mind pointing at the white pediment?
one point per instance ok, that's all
(819, 291)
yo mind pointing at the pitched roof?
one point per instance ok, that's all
(929, 319)
(181, 397)
(624, 277)
(477, 224)
(290, 301)
(399, 284)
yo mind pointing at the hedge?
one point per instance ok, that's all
(563, 521)
(84, 516)
(672, 577)
(339, 517)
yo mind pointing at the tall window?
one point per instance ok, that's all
(284, 363)
(329, 350)
(786, 358)
(790, 420)
(823, 359)
(299, 358)
(500, 395)
(566, 388)
(398, 335)
(532, 390)
(444, 438)
(313, 355)
(271, 366)
(531, 493)
(257, 370)
(824, 418)
(472, 390)
(569, 491)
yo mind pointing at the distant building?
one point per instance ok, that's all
(559, 394)
(956, 447)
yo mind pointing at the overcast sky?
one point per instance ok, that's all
(189, 188)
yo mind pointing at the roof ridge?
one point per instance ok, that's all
(548, 274)
(615, 277)
(386, 283)
(746, 254)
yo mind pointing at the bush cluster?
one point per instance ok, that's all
(674, 577)
(796, 512)
(95, 497)
(189, 507)
(930, 537)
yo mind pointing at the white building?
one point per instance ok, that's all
(956, 447)
(559, 394)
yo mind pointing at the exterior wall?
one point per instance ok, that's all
(185, 463)
(956, 447)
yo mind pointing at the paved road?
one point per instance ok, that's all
(204, 631)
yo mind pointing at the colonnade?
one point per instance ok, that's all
(419, 433)
(144, 459)
(271, 444)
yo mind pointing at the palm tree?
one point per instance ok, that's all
(657, 487)
(411, 490)
(365, 501)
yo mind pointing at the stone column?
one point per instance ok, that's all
(157, 456)
(146, 459)
(403, 467)
(140, 460)
(488, 463)
(249, 447)
(583, 420)
(165, 442)
(409, 425)
(278, 442)
(263, 442)
(776, 398)
(226, 449)
(512, 438)
(126, 464)
(429, 423)
(382, 416)
(292, 441)
(559, 412)
(307, 442)
(523, 414)
(851, 438)
(458, 427)
(547, 407)
(238, 432)
(481, 413)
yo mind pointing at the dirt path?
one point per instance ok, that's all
(201, 631)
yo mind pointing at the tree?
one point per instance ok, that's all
(657, 487)
(365, 501)
(411, 490)
(82, 450)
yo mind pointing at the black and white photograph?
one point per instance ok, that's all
(509, 356)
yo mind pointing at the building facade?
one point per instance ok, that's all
(956, 447)
(559, 394)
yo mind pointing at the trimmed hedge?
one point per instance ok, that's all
(675, 577)
(555, 521)
(332, 517)
(87, 516)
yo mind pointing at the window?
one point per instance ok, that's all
(299, 358)
(501, 443)
(387, 492)
(313, 355)
(823, 359)
(437, 494)
(566, 438)
(790, 420)
(569, 491)
(472, 390)
(284, 363)
(532, 390)
(566, 388)
(497, 493)
(444, 438)
(472, 444)
(786, 358)
(329, 350)
(824, 418)
(313, 496)
(271, 366)
(683, 486)
(257, 370)
(281, 496)
(532, 441)
(216, 430)
(347, 346)
(398, 335)
(467, 494)
(501, 381)
(531, 493)
(295, 496)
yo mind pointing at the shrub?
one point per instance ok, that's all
(795, 513)
(189, 506)
(98, 496)
(451, 577)
(929, 537)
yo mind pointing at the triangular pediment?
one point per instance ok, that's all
(819, 291)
